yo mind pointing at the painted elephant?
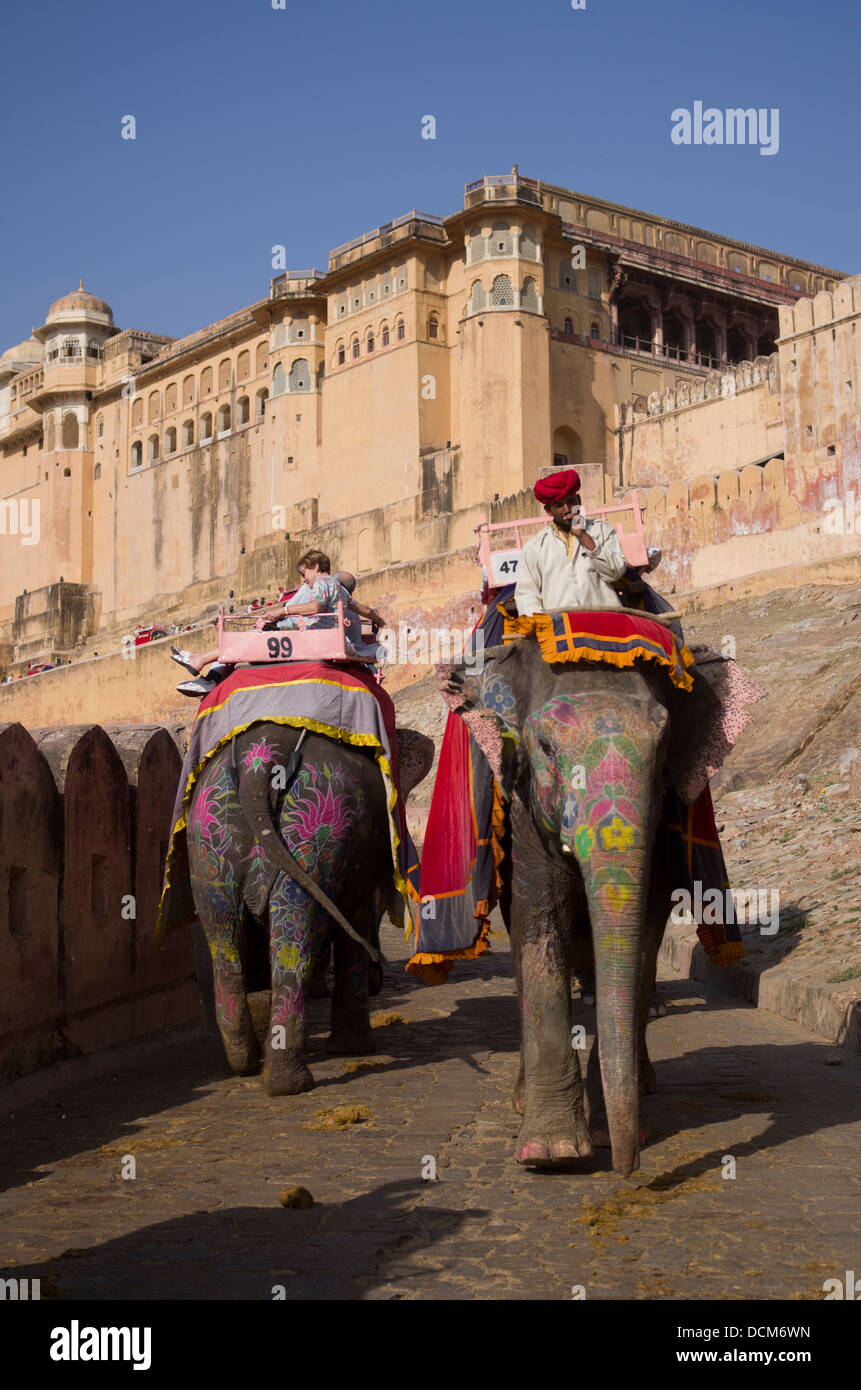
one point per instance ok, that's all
(275, 871)
(580, 753)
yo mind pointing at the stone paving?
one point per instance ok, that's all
(202, 1218)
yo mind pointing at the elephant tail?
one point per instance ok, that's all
(254, 800)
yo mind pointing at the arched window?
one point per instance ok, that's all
(153, 406)
(243, 411)
(300, 376)
(502, 294)
(528, 244)
(223, 419)
(170, 399)
(594, 331)
(475, 246)
(279, 381)
(354, 348)
(71, 348)
(187, 433)
(100, 427)
(67, 472)
(206, 382)
(137, 454)
(299, 331)
(400, 330)
(476, 298)
(401, 277)
(569, 326)
(225, 374)
(594, 283)
(70, 431)
(342, 355)
(152, 450)
(321, 372)
(384, 335)
(170, 441)
(500, 241)
(243, 366)
(433, 326)
(97, 472)
(529, 295)
(205, 427)
(369, 341)
(188, 390)
(262, 357)
(260, 403)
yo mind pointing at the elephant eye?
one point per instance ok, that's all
(545, 747)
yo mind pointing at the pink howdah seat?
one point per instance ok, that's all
(309, 644)
(499, 564)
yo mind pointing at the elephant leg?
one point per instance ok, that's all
(351, 1034)
(221, 918)
(298, 928)
(554, 1124)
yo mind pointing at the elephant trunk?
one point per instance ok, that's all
(616, 886)
(254, 799)
(617, 944)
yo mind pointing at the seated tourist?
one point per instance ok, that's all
(354, 612)
(573, 562)
(311, 606)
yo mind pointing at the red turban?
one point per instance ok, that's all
(557, 486)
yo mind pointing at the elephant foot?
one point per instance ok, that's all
(343, 1044)
(547, 1142)
(284, 1076)
(657, 1008)
(242, 1052)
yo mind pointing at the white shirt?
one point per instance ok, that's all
(548, 577)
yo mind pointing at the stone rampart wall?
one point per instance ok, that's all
(85, 816)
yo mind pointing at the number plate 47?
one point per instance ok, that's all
(503, 567)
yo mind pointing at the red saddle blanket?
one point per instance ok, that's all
(616, 637)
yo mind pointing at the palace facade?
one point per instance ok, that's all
(435, 368)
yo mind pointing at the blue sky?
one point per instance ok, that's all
(301, 126)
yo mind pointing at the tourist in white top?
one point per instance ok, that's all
(574, 561)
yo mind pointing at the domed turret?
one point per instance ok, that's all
(21, 356)
(80, 304)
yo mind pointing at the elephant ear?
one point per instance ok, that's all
(706, 721)
(485, 700)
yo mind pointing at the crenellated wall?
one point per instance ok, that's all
(703, 426)
(85, 815)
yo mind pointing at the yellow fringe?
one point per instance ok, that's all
(497, 833)
(541, 626)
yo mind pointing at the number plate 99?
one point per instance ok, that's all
(279, 647)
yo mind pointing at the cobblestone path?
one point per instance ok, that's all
(202, 1219)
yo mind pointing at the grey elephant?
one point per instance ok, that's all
(316, 863)
(582, 753)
